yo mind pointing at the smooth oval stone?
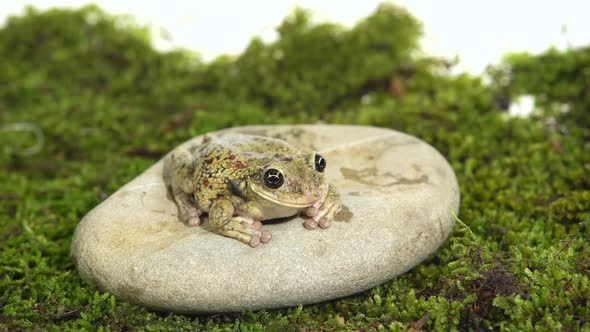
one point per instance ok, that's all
(399, 195)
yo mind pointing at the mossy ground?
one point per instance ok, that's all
(109, 106)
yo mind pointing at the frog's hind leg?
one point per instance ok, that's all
(243, 229)
(183, 186)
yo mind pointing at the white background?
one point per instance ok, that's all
(479, 32)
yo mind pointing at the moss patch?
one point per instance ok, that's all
(109, 106)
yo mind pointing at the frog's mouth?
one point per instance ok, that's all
(293, 204)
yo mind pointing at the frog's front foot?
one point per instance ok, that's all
(323, 214)
(311, 223)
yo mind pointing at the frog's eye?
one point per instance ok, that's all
(273, 178)
(320, 163)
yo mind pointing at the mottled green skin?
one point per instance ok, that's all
(223, 177)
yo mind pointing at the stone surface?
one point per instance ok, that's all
(398, 193)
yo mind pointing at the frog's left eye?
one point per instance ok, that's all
(320, 163)
(273, 178)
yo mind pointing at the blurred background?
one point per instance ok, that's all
(479, 33)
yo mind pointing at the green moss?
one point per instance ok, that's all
(109, 106)
(559, 80)
(328, 65)
(575, 207)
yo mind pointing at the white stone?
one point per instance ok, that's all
(399, 195)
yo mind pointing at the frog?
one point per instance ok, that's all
(241, 180)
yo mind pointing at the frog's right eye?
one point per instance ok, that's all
(320, 163)
(273, 178)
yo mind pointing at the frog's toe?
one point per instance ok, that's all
(325, 223)
(191, 217)
(254, 241)
(194, 220)
(266, 236)
(310, 224)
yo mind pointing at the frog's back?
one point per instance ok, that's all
(250, 144)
